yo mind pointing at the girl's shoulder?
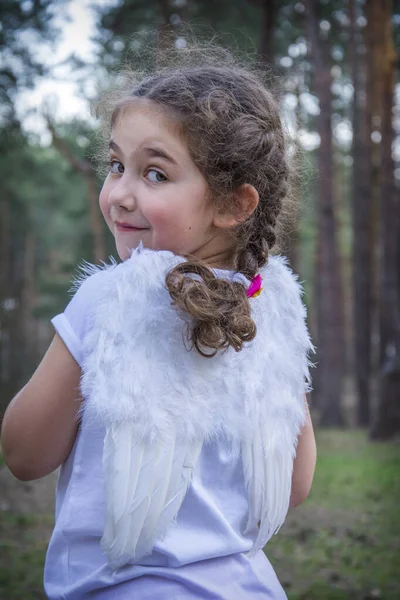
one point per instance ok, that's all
(88, 285)
(142, 277)
(89, 276)
(86, 290)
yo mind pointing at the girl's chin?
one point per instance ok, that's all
(124, 251)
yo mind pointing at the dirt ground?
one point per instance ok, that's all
(27, 497)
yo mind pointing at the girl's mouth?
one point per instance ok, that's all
(126, 227)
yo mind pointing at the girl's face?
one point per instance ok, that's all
(154, 193)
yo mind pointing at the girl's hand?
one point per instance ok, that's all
(40, 424)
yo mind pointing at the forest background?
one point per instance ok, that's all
(338, 66)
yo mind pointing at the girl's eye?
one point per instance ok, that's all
(116, 167)
(155, 176)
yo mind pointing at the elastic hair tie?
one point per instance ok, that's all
(255, 287)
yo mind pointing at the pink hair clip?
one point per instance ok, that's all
(255, 288)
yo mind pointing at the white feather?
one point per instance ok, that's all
(121, 467)
(183, 471)
(268, 469)
(253, 467)
(145, 487)
(158, 402)
(153, 490)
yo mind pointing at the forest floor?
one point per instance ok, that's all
(342, 543)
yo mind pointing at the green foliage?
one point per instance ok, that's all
(47, 197)
(22, 550)
(23, 24)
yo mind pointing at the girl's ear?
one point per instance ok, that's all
(245, 202)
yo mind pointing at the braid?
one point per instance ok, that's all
(252, 257)
(258, 236)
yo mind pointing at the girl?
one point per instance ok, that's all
(173, 393)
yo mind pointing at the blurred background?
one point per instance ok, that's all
(338, 63)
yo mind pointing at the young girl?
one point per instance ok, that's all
(173, 393)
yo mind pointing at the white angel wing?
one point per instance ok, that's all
(268, 467)
(145, 486)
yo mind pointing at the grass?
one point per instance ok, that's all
(343, 543)
(23, 544)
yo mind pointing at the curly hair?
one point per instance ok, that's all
(231, 123)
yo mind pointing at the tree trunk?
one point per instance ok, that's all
(5, 230)
(13, 335)
(376, 20)
(361, 221)
(96, 219)
(12, 339)
(293, 252)
(387, 421)
(292, 245)
(267, 53)
(330, 322)
(28, 302)
(341, 205)
(85, 169)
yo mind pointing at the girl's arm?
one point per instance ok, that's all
(304, 463)
(40, 424)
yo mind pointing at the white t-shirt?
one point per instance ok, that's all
(201, 557)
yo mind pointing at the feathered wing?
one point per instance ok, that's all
(267, 467)
(145, 485)
(152, 415)
(268, 456)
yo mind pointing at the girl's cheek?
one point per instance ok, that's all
(103, 202)
(159, 215)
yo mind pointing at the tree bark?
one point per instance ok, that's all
(28, 303)
(13, 334)
(361, 222)
(330, 314)
(387, 419)
(374, 41)
(341, 204)
(4, 292)
(294, 251)
(267, 53)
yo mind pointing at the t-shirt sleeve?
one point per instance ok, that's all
(72, 324)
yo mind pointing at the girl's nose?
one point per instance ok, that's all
(122, 194)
